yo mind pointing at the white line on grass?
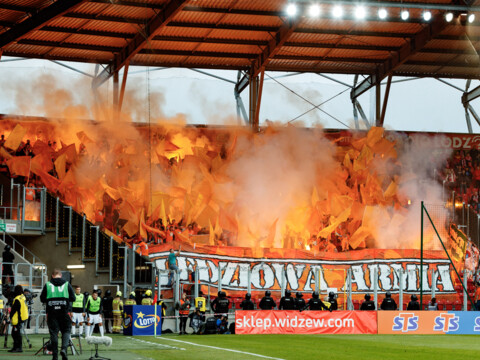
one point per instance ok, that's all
(219, 348)
(157, 344)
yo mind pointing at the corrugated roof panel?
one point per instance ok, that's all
(27, 49)
(362, 54)
(220, 61)
(252, 20)
(441, 58)
(302, 51)
(238, 34)
(96, 40)
(264, 5)
(46, 36)
(229, 48)
(28, 3)
(309, 37)
(368, 40)
(11, 16)
(157, 59)
(198, 17)
(183, 31)
(171, 45)
(91, 8)
(110, 26)
(75, 53)
(129, 12)
(66, 22)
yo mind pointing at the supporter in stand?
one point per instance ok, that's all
(413, 304)
(432, 305)
(267, 303)
(247, 303)
(368, 304)
(299, 301)
(388, 303)
(287, 302)
(172, 264)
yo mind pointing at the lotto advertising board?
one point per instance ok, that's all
(307, 322)
(141, 320)
(429, 322)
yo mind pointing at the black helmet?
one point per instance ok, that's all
(367, 297)
(224, 294)
(413, 297)
(288, 293)
(331, 294)
(315, 295)
(99, 292)
(108, 293)
(7, 248)
(388, 295)
(248, 296)
(86, 294)
(299, 295)
(268, 293)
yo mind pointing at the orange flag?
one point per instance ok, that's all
(374, 135)
(130, 228)
(227, 222)
(19, 165)
(359, 236)
(42, 161)
(15, 138)
(4, 153)
(211, 238)
(60, 166)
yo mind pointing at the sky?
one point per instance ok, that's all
(415, 105)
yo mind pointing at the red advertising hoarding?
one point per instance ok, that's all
(307, 322)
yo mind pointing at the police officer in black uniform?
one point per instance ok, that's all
(267, 303)
(220, 304)
(332, 300)
(367, 304)
(287, 302)
(315, 303)
(247, 304)
(413, 304)
(299, 301)
(388, 303)
(58, 294)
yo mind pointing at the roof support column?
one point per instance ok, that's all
(115, 96)
(362, 114)
(241, 112)
(378, 103)
(122, 88)
(355, 111)
(256, 124)
(253, 90)
(474, 113)
(385, 102)
(467, 97)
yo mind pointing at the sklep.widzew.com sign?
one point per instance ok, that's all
(301, 273)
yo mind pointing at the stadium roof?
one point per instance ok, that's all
(250, 35)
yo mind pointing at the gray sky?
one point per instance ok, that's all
(417, 105)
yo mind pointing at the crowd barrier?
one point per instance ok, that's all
(357, 322)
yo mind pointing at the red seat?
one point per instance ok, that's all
(457, 305)
(356, 305)
(448, 305)
(458, 288)
(441, 305)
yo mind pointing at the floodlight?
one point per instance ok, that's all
(449, 16)
(404, 14)
(471, 18)
(291, 9)
(382, 13)
(314, 10)
(337, 11)
(427, 15)
(360, 12)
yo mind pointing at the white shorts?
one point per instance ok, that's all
(95, 319)
(77, 318)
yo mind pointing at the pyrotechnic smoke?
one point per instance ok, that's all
(284, 182)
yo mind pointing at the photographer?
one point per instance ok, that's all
(29, 301)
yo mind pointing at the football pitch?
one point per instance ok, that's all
(230, 347)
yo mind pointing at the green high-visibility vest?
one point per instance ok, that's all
(94, 305)
(78, 303)
(55, 292)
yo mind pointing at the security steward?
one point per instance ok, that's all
(287, 302)
(94, 311)
(18, 315)
(117, 310)
(220, 304)
(247, 303)
(316, 304)
(388, 303)
(299, 301)
(147, 300)
(78, 311)
(332, 300)
(413, 304)
(201, 303)
(367, 304)
(267, 303)
(131, 299)
(163, 306)
(57, 294)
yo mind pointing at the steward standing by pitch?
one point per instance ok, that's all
(58, 294)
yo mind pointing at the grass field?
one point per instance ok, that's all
(232, 347)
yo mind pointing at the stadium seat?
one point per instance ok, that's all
(458, 288)
(441, 305)
(448, 305)
(457, 305)
(356, 304)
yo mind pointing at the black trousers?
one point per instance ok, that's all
(59, 322)
(183, 323)
(17, 336)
